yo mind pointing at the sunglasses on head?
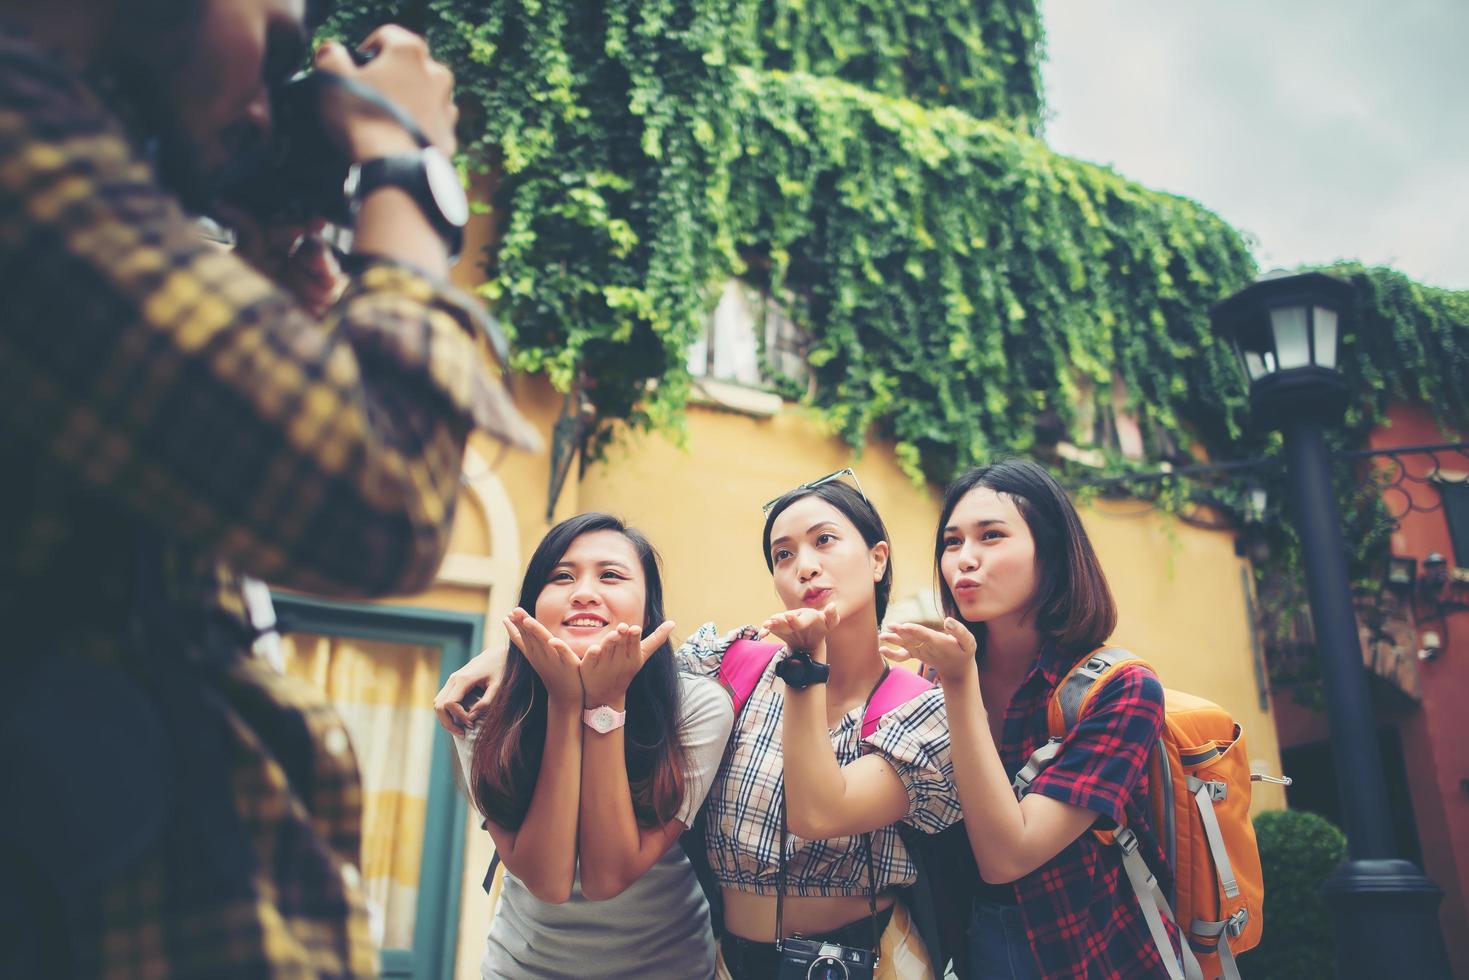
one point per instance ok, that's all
(830, 477)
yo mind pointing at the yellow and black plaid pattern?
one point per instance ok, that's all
(154, 387)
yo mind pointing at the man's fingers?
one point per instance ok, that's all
(391, 35)
(333, 57)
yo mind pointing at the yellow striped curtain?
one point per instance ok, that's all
(384, 692)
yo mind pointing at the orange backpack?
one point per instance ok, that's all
(1199, 790)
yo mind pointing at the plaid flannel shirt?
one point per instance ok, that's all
(1080, 913)
(745, 801)
(168, 415)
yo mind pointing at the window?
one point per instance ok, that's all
(380, 666)
(745, 325)
(1456, 509)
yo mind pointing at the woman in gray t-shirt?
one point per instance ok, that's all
(588, 760)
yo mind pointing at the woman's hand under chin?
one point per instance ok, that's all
(609, 666)
(804, 629)
(951, 652)
(556, 663)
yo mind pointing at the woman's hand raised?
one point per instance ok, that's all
(804, 629)
(558, 666)
(481, 673)
(951, 652)
(609, 666)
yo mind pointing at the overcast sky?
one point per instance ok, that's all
(1323, 129)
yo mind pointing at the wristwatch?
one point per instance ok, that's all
(428, 177)
(604, 719)
(800, 671)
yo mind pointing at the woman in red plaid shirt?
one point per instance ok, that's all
(1025, 600)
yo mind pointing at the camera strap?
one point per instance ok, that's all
(371, 96)
(780, 874)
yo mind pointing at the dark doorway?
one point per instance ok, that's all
(1314, 787)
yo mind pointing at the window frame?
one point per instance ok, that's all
(459, 636)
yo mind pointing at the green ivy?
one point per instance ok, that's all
(955, 279)
(981, 56)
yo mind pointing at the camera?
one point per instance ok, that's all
(809, 959)
(298, 175)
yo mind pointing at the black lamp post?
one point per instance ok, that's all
(1286, 330)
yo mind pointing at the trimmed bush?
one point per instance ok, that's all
(1298, 850)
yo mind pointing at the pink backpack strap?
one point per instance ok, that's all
(740, 668)
(898, 688)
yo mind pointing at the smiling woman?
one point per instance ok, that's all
(591, 758)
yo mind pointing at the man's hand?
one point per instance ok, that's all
(405, 74)
(292, 254)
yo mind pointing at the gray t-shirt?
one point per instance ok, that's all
(659, 926)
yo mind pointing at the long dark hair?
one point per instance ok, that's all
(858, 510)
(1072, 605)
(512, 737)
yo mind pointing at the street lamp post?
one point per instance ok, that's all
(1285, 330)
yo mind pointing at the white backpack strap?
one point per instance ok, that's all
(1154, 907)
(1037, 762)
(1205, 793)
(1223, 932)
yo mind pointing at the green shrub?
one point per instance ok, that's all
(1298, 851)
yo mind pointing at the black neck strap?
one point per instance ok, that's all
(780, 874)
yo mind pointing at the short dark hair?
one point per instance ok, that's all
(857, 509)
(512, 737)
(1073, 605)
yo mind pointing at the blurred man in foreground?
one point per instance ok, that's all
(171, 420)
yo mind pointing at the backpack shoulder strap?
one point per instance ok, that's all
(741, 667)
(898, 688)
(1076, 690)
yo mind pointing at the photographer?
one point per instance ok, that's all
(171, 419)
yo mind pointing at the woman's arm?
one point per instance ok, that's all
(542, 852)
(824, 798)
(482, 671)
(615, 850)
(1010, 839)
(1098, 764)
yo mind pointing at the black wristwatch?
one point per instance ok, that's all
(429, 178)
(800, 671)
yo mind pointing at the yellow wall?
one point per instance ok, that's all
(1179, 588)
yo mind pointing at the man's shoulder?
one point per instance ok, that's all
(30, 76)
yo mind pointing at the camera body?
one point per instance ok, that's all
(811, 959)
(299, 175)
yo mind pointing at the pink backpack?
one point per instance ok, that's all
(744, 663)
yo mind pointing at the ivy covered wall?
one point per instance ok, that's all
(953, 276)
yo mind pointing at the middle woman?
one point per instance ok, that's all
(801, 820)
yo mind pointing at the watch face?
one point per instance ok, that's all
(603, 719)
(443, 183)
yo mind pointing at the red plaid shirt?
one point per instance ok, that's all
(1080, 913)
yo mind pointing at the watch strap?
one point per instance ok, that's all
(407, 172)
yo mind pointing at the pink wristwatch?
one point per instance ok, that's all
(604, 719)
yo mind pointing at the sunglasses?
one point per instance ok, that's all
(830, 477)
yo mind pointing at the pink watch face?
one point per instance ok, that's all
(603, 719)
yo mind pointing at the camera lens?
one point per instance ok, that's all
(827, 968)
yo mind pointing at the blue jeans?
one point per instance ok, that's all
(998, 949)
